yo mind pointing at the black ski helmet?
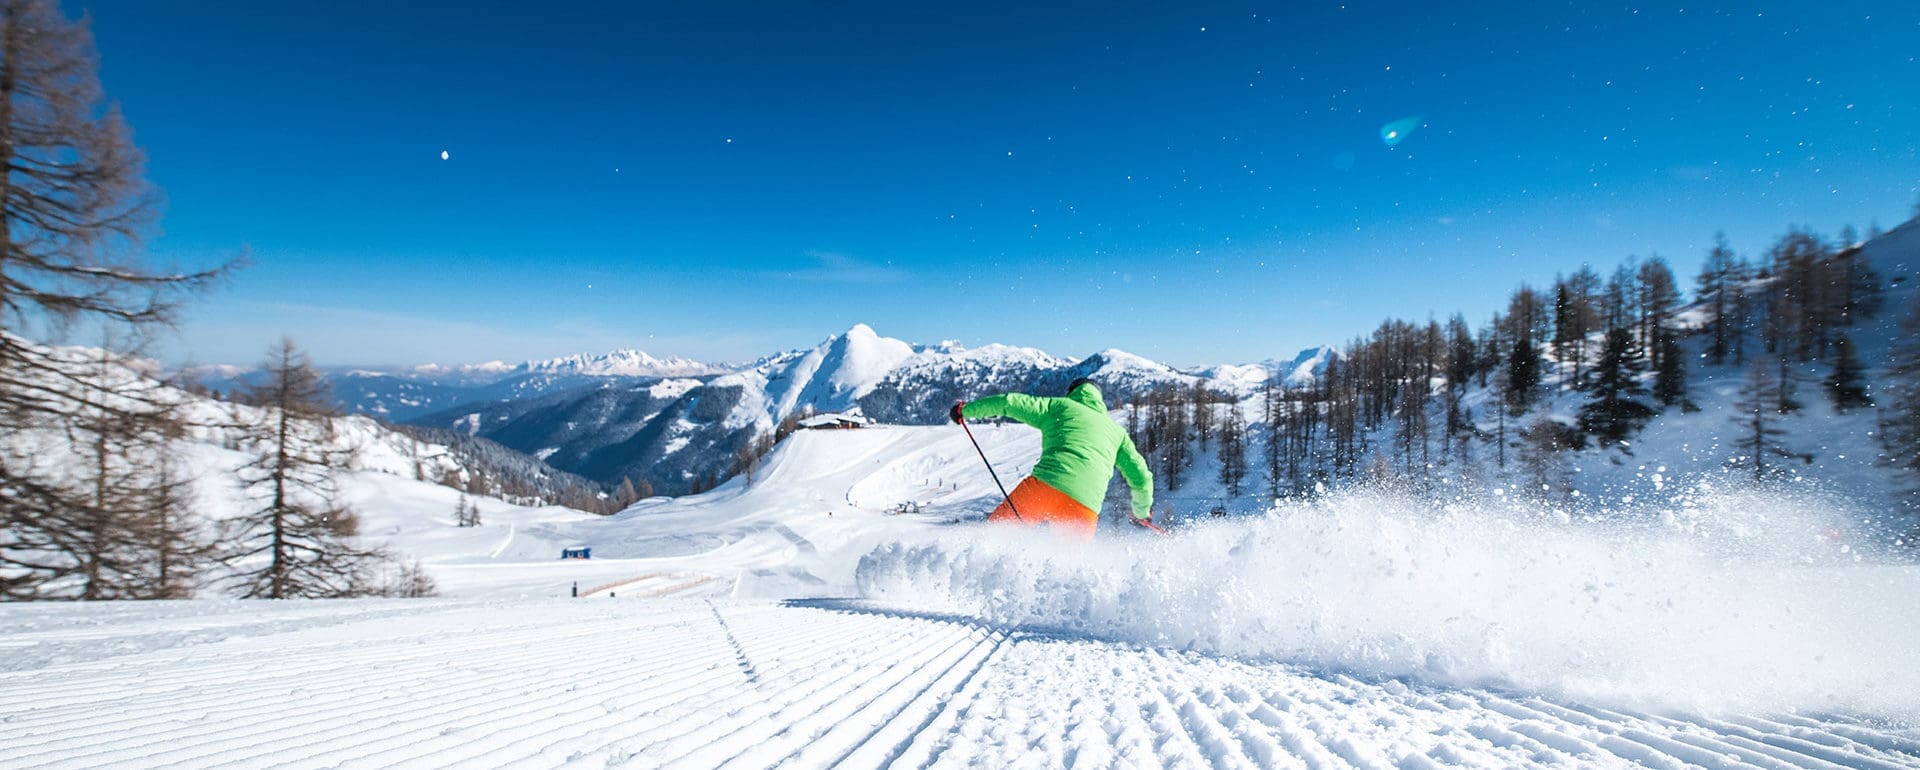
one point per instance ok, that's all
(1075, 385)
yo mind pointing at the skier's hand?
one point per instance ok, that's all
(954, 413)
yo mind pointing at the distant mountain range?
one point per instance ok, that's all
(401, 394)
(676, 432)
(676, 422)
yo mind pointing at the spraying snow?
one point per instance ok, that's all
(1734, 601)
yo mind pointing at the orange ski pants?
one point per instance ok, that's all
(1040, 504)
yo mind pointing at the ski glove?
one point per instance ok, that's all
(955, 412)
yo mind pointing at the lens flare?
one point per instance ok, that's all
(1396, 132)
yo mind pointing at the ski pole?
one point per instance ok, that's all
(990, 471)
(1148, 523)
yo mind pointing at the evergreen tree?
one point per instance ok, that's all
(1528, 317)
(1304, 410)
(1523, 376)
(1613, 412)
(1499, 436)
(1847, 385)
(1277, 437)
(1492, 354)
(1173, 437)
(1203, 417)
(1670, 375)
(1585, 288)
(1567, 328)
(1759, 437)
(1714, 289)
(1741, 303)
(1542, 454)
(466, 513)
(1659, 297)
(296, 542)
(1785, 398)
(1621, 297)
(1233, 450)
(1411, 437)
(1462, 357)
(1801, 310)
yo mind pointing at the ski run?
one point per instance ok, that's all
(800, 620)
(805, 683)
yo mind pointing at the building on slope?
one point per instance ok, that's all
(834, 421)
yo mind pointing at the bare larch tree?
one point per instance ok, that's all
(296, 542)
(76, 204)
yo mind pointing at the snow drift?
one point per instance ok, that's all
(1728, 601)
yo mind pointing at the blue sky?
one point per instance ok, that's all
(1198, 184)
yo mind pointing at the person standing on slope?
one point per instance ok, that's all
(1079, 448)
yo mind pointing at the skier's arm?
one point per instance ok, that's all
(1031, 410)
(1133, 468)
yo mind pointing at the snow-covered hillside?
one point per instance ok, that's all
(1896, 254)
(794, 620)
(395, 483)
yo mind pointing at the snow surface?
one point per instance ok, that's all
(792, 619)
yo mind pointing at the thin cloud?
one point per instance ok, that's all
(356, 336)
(834, 267)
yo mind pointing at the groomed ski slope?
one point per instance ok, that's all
(807, 683)
(749, 628)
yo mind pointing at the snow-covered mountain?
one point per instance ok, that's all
(1244, 380)
(831, 377)
(625, 362)
(402, 394)
(682, 433)
(574, 406)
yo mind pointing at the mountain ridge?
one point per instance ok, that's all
(684, 437)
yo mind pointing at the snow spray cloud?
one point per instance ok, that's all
(1731, 601)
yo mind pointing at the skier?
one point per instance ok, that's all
(1079, 448)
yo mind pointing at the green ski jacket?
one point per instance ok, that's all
(1079, 444)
